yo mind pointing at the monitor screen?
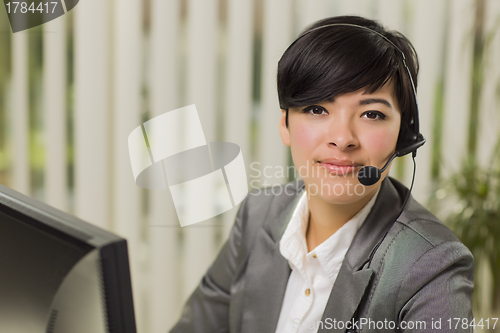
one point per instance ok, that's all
(60, 274)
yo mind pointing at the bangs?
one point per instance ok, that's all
(329, 62)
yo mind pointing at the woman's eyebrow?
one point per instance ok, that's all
(374, 100)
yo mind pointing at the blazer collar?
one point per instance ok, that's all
(276, 227)
(381, 217)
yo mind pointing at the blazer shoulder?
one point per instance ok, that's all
(421, 222)
(418, 234)
(417, 258)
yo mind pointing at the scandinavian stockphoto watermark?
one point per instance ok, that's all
(25, 15)
(323, 181)
(362, 323)
(435, 324)
(170, 151)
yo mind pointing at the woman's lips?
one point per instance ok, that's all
(339, 167)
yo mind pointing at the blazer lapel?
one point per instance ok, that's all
(264, 297)
(347, 293)
(354, 277)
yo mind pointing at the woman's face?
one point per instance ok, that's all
(330, 141)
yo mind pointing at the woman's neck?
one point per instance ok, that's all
(326, 218)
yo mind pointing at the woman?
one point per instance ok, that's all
(329, 253)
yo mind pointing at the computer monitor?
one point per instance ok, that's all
(59, 274)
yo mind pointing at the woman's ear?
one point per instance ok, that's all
(284, 131)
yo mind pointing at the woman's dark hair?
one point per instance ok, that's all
(326, 62)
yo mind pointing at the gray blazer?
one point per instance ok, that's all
(420, 274)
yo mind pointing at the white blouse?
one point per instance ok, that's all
(314, 273)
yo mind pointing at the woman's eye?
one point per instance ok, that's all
(374, 115)
(315, 109)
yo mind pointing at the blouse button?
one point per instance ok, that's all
(314, 255)
(308, 292)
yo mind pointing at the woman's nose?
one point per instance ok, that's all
(341, 135)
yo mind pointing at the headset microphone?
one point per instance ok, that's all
(370, 175)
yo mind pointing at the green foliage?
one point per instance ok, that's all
(474, 195)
